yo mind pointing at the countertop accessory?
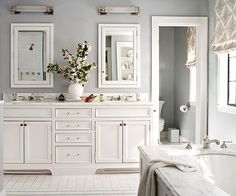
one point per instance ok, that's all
(101, 98)
(88, 99)
(61, 97)
(14, 96)
(77, 70)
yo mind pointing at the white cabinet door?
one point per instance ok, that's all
(135, 133)
(38, 142)
(13, 142)
(108, 142)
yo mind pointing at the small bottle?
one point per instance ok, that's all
(13, 96)
(101, 98)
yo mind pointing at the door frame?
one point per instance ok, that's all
(201, 24)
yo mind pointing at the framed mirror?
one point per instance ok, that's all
(119, 56)
(31, 51)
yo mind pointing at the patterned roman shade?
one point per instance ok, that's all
(225, 26)
(191, 47)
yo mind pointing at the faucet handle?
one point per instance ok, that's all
(189, 146)
(223, 145)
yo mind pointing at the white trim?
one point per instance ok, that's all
(48, 28)
(102, 83)
(202, 47)
(3, 193)
(226, 108)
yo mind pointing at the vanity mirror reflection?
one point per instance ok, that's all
(118, 55)
(31, 51)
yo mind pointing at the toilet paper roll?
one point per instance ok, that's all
(183, 108)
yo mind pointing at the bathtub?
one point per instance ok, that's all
(220, 169)
(215, 178)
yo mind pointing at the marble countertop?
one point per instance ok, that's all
(94, 103)
(186, 184)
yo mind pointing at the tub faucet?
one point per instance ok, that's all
(206, 142)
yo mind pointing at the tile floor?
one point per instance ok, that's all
(99, 185)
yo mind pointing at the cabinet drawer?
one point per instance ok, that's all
(74, 138)
(73, 154)
(73, 125)
(74, 113)
(123, 112)
(27, 113)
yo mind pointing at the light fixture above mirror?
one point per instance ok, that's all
(118, 56)
(134, 11)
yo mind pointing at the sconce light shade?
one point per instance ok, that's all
(48, 10)
(134, 11)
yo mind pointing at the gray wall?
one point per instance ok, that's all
(184, 121)
(77, 20)
(220, 125)
(166, 70)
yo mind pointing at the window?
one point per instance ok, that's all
(227, 82)
(232, 79)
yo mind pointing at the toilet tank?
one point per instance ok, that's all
(161, 103)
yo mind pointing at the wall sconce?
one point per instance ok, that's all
(48, 10)
(134, 11)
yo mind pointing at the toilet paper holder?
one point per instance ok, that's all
(185, 108)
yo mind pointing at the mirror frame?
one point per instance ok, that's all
(102, 83)
(48, 28)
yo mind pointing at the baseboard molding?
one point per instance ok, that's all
(117, 171)
(27, 172)
(3, 193)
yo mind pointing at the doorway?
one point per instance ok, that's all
(181, 89)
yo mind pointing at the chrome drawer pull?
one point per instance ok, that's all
(78, 154)
(78, 113)
(77, 125)
(68, 138)
(68, 155)
(77, 138)
(68, 113)
(68, 125)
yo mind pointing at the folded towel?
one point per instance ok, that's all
(148, 183)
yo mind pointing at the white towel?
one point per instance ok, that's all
(148, 183)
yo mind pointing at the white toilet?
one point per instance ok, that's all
(161, 120)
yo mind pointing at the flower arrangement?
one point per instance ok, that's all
(78, 69)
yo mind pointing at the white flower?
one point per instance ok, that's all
(78, 63)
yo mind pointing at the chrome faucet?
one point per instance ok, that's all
(206, 142)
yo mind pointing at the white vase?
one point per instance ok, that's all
(75, 90)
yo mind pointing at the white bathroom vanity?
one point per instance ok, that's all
(75, 137)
